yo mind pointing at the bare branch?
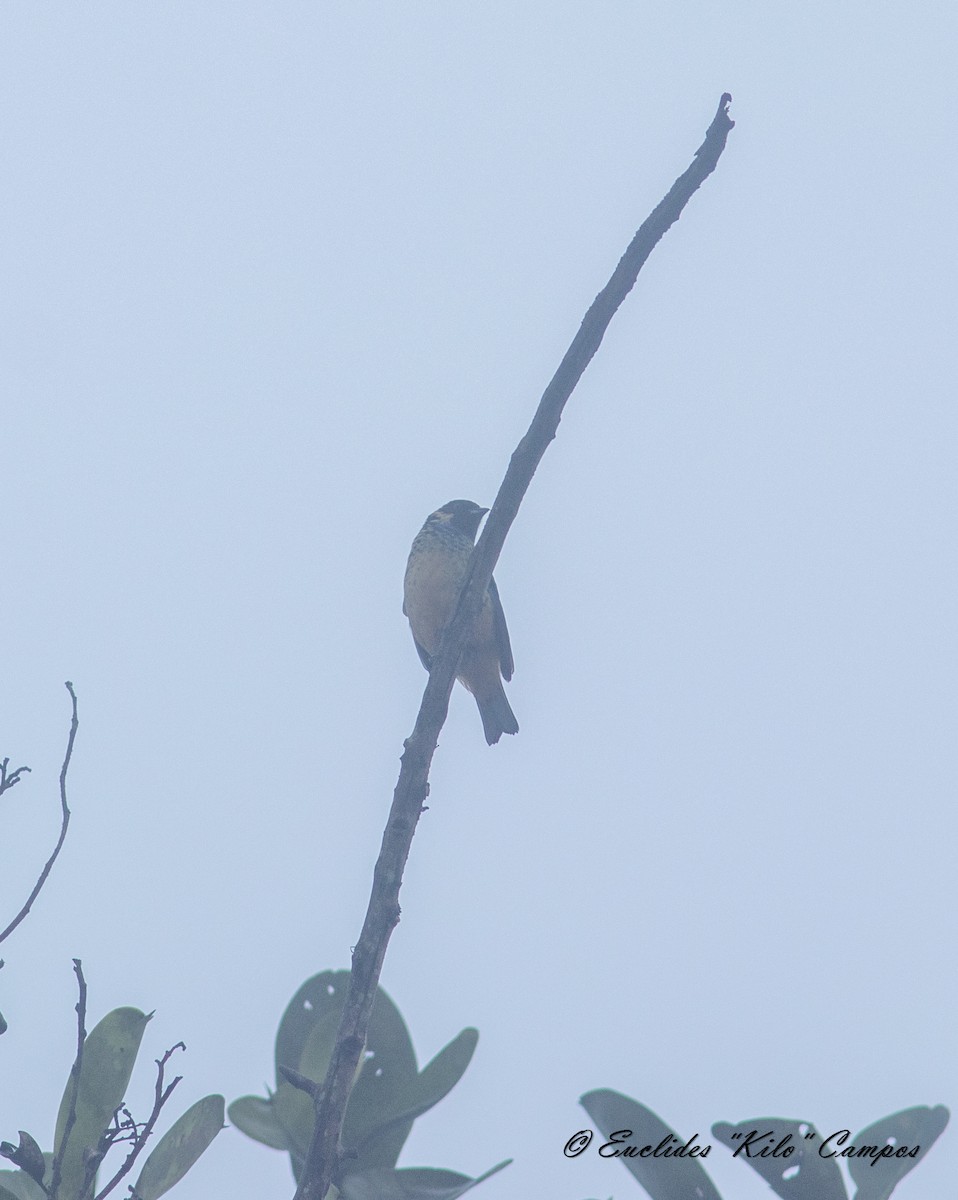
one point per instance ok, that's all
(324, 1156)
(65, 811)
(74, 1075)
(8, 779)
(161, 1094)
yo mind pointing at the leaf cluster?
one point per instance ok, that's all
(93, 1121)
(802, 1174)
(389, 1092)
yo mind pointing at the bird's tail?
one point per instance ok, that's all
(497, 717)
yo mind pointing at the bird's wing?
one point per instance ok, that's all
(425, 658)
(506, 665)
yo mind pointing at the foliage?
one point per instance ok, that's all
(93, 1120)
(791, 1156)
(388, 1094)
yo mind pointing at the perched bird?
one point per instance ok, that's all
(434, 577)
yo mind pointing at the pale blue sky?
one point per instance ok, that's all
(281, 279)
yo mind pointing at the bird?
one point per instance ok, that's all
(434, 577)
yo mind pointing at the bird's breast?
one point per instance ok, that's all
(434, 577)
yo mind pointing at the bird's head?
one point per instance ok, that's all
(462, 515)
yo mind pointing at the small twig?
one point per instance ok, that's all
(160, 1097)
(8, 779)
(74, 725)
(74, 1079)
(302, 1082)
(127, 1130)
(324, 1156)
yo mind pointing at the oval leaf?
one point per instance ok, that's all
(109, 1053)
(426, 1089)
(255, 1117)
(180, 1147)
(388, 1071)
(912, 1127)
(411, 1183)
(320, 997)
(442, 1073)
(799, 1174)
(296, 1116)
(16, 1185)
(672, 1178)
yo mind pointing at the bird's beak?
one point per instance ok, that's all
(483, 511)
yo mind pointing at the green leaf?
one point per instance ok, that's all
(320, 997)
(421, 1093)
(255, 1117)
(800, 1175)
(318, 1048)
(109, 1054)
(441, 1075)
(411, 1183)
(180, 1147)
(305, 1041)
(295, 1114)
(17, 1185)
(672, 1178)
(909, 1128)
(388, 1092)
(388, 1073)
(293, 1108)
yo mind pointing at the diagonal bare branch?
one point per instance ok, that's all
(324, 1156)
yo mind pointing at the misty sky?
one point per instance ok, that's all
(279, 280)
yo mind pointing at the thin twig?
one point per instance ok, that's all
(65, 821)
(303, 1082)
(160, 1097)
(324, 1156)
(8, 779)
(74, 1079)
